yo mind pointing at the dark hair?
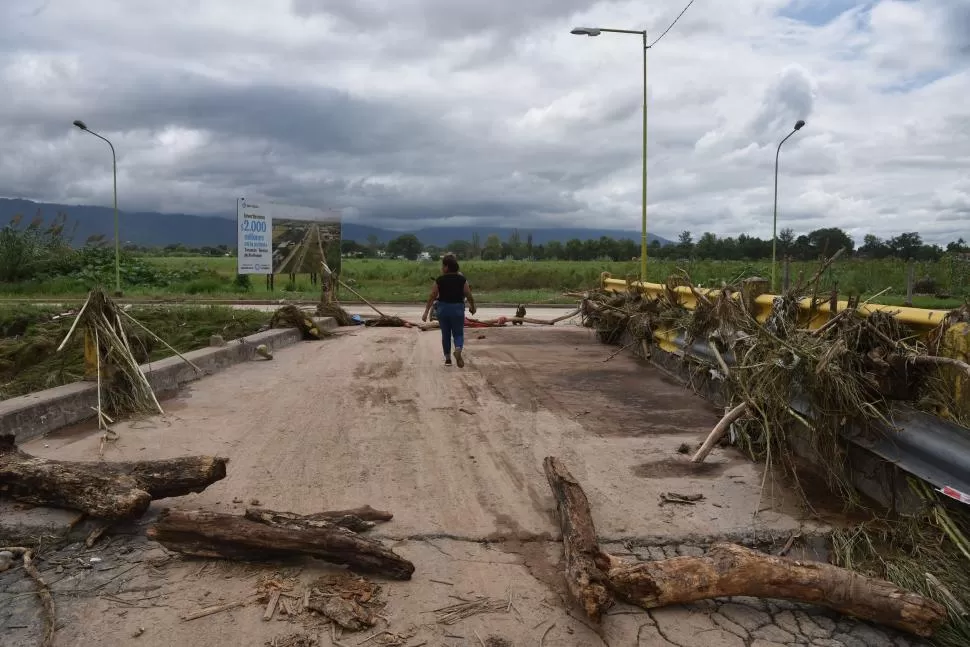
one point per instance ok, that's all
(450, 263)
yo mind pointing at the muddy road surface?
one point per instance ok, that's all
(372, 416)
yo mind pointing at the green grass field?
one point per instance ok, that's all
(542, 282)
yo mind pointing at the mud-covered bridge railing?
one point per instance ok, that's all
(927, 446)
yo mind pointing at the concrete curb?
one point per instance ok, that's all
(36, 414)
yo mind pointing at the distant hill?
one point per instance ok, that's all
(149, 228)
(154, 229)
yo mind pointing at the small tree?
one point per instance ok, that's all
(406, 245)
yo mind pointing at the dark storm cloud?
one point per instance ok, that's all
(788, 99)
(444, 19)
(306, 119)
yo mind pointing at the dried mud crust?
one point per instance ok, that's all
(135, 588)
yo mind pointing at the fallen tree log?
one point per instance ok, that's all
(295, 521)
(584, 577)
(172, 477)
(726, 570)
(105, 490)
(224, 536)
(364, 512)
(732, 570)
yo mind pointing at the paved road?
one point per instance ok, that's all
(372, 416)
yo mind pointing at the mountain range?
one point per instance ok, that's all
(153, 229)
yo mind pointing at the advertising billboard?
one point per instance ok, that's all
(277, 238)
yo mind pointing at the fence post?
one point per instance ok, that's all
(786, 275)
(910, 279)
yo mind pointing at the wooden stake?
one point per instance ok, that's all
(219, 608)
(718, 432)
(74, 325)
(358, 295)
(274, 599)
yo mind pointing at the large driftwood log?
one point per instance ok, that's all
(212, 534)
(295, 521)
(364, 512)
(172, 477)
(729, 570)
(584, 578)
(726, 570)
(102, 489)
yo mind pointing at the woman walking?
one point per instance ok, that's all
(450, 290)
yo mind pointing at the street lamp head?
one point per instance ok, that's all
(585, 31)
(799, 124)
(80, 124)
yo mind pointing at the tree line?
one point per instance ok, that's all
(709, 246)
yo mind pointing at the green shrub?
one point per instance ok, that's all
(242, 283)
(207, 285)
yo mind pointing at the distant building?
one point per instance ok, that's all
(424, 256)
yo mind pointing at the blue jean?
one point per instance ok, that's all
(451, 318)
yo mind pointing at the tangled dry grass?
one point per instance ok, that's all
(289, 316)
(341, 316)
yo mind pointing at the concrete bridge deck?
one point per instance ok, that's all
(372, 416)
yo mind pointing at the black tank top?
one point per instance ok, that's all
(451, 288)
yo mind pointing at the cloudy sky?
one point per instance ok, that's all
(409, 113)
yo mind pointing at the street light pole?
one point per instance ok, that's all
(643, 202)
(774, 226)
(114, 172)
(596, 31)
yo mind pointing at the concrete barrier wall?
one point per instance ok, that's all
(36, 414)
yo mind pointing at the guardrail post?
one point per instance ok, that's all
(956, 344)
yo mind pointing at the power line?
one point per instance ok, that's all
(672, 24)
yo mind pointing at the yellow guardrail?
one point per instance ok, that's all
(920, 319)
(955, 344)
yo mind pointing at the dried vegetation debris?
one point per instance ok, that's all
(349, 601)
(851, 370)
(290, 316)
(341, 316)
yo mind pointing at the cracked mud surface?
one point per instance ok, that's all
(456, 455)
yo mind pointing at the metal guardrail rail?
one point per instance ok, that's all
(923, 445)
(928, 447)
